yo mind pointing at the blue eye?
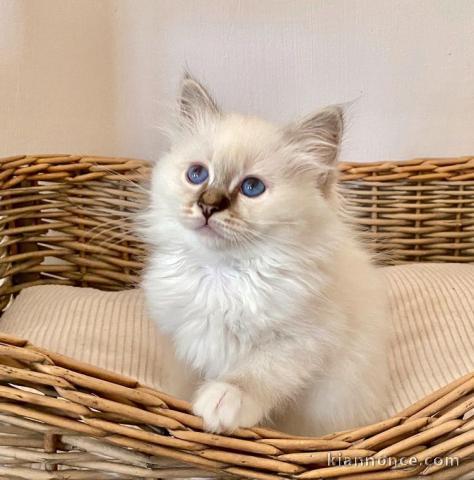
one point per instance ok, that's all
(252, 187)
(197, 174)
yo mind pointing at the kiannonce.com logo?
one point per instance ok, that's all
(386, 462)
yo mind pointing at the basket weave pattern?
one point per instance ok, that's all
(66, 220)
(417, 210)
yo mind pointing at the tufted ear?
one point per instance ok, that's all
(317, 139)
(196, 106)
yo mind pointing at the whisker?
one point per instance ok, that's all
(113, 230)
(113, 222)
(125, 179)
(278, 223)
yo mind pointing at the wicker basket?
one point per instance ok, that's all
(65, 220)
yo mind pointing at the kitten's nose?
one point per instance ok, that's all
(212, 201)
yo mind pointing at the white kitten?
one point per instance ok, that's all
(254, 274)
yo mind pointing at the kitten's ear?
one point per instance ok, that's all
(317, 139)
(195, 103)
(319, 135)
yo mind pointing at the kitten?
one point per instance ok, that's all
(262, 286)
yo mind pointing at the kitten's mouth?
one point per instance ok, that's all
(209, 230)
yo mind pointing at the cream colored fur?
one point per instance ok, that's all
(275, 306)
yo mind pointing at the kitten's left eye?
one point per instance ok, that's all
(197, 174)
(252, 187)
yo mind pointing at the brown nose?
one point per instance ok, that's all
(212, 201)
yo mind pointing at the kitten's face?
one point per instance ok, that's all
(236, 182)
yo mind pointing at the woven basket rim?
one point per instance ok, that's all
(256, 452)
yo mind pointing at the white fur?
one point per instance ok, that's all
(276, 307)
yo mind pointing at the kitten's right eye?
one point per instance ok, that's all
(197, 174)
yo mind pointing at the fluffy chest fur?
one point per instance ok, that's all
(219, 312)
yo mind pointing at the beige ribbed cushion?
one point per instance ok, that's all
(432, 310)
(107, 329)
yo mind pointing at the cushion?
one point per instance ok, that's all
(432, 312)
(431, 306)
(107, 329)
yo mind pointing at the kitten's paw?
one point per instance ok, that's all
(224, 407)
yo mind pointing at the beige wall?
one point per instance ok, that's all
(98, 76)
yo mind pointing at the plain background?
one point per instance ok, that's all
(100, 76)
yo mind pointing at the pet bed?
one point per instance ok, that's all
(65, 220)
